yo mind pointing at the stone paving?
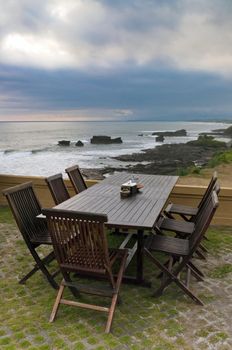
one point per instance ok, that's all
(170, 322)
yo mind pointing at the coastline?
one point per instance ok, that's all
(168, 159)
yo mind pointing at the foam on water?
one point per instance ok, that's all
(32, 148)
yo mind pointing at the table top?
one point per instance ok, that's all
(138, 211)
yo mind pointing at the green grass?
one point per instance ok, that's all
(140, 322)
(221, 271)
(220, 158)
(5, 215)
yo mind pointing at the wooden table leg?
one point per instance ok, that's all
(139, 257)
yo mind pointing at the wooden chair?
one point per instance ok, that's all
(76, 178)
(184, 229)
(180, 252)
(186, 212)
(25, 207)
(57, 188)
(80, 246)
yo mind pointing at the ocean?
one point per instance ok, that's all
(31, 148)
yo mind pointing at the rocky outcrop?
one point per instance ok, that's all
(228, 131)
(64, 143)
(207, 141)
(105, 140)
(220, 132)
(159, 138)
(167, 159)
(181, 132)
(79, 143)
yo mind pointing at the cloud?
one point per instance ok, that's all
(91, 34)
(126, 94)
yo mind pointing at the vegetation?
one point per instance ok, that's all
(220, 158)
(207, 141)
(5, 215)
(170, 322)
(189, 170)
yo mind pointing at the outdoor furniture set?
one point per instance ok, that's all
(76, 231)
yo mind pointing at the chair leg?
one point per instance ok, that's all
(115, 296)
(57, 302)
(111, 313)
(200, 254)
(203, 248)
(73, 290)
(40, 265)
(193, 267)
(171, 277)
(29, 274)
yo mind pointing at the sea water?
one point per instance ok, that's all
(31, 148)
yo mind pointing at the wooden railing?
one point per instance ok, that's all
(187, 195)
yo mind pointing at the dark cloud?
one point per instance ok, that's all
(149, 93)
(140, 59)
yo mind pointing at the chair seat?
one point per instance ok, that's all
(178, 226)
(43, 237)
(181, 209)
(171, 245)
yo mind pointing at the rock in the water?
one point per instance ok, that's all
(105, 140)
(181, 132)
(159, 138)
(64, 143)
(79, 143)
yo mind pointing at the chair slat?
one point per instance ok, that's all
(76, 178)
(57, 188)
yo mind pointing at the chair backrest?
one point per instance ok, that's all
(57, 188)
(216, 188)
(209, 190)
(76, 178)
(25, 207)
(79, 240)
(204, 219)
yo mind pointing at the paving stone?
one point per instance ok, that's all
(170, 322)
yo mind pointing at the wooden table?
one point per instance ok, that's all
(139, 212)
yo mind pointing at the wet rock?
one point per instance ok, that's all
(181, 132)
(159, 138)
(64, 143)
(79, 144)
(105, 140)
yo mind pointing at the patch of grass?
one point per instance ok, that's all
(6, 216)
(220, 158)
(219, 238)
(218, 337)
(173, 328)
(221, 271)
(189, 170)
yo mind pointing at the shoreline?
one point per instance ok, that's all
(168, 159)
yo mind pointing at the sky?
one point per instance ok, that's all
(115, 60)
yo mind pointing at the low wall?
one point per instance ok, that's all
(186, 195)
(39, 184)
